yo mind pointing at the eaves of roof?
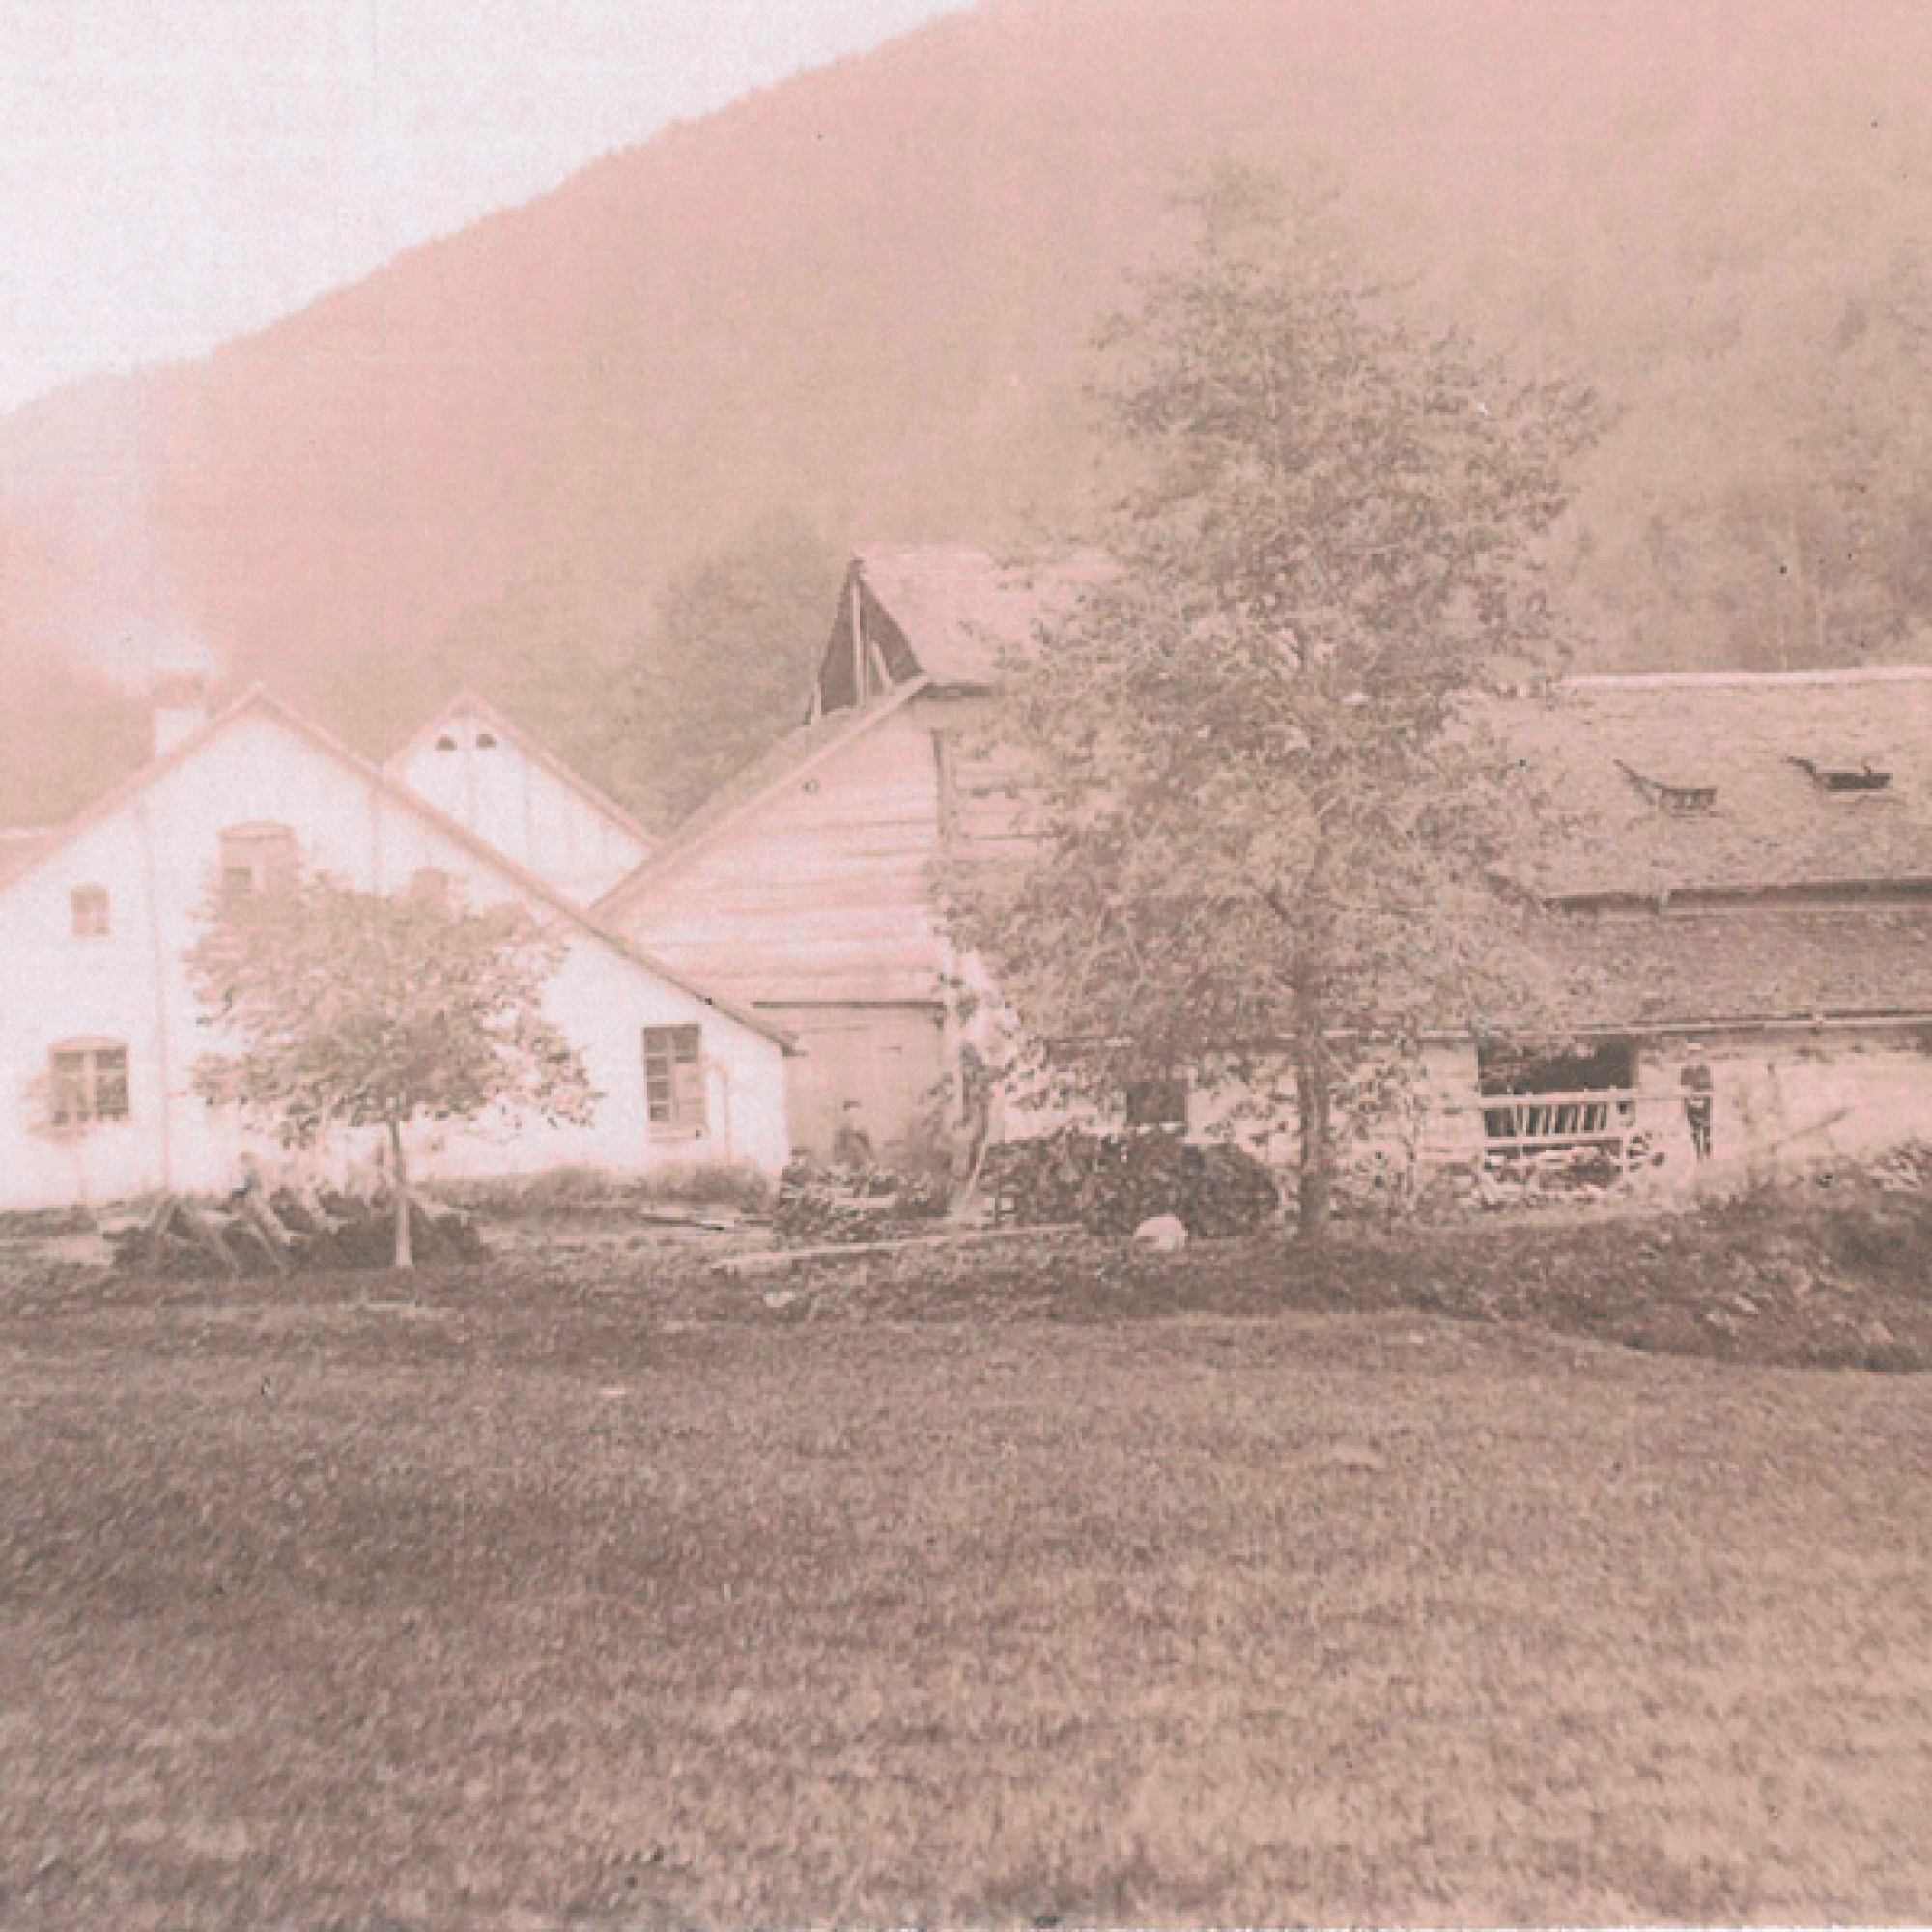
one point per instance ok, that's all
(259, 698)
(474, 702)
(790, 760)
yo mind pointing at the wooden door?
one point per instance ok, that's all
(889, 1059)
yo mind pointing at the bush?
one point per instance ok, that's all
(1111, 1183)
(567, 1193)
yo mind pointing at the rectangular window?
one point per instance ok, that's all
(90, 1083)
(256, 857)
(675, 1079)
(88, 907)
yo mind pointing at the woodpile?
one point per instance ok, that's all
(1906, 1168)
(1111, 1183)
(1589, 1171)
(842, 1203)
(251, 1232)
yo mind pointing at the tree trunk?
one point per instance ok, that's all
(399, 1181)
(1314, 1105)
(1314, 1059)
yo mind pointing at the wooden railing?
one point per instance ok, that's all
(1611, 1120)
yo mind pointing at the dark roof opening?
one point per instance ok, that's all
(1680, 801)
(1844, 777)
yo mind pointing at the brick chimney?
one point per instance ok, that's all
(178, 710)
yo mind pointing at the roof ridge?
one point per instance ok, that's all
(559, 767)
(260, 697)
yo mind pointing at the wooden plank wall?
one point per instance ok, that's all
(822, 894)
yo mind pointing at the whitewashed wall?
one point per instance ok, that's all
(515, 802)
(156, 857)
(1796, 1097)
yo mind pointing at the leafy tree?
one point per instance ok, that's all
(1263, 814)
(375, 1011)
(727, 666)
(1772, 498)
(551, 651)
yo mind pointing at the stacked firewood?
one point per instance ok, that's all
(251, 1232)
(1906, 1168)
(848, 1204)
(1111, 1183)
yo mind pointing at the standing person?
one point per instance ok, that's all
(1699, 1099)
(852, 1145)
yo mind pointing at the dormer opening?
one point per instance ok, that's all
(1863, 777)
(1680, 801)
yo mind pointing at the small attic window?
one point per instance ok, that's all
(486, 741)
(87, 912)
(1158, 1103)
(1864, 777)
(257, 857)
(446, 743)
(1679, 801)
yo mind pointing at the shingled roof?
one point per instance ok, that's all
(1656, 969)
(957, 610)
(1724, 782)
(946, 612)
(20, 847)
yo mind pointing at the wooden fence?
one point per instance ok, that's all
(1616, 1121)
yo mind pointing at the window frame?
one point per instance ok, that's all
(677, 1104)
(1156, 1103)
(255, 856)
(90, 910)
(91, 1093)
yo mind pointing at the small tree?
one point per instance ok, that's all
(1263, 815)
(376, 1012)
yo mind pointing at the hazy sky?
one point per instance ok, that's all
(174, 172)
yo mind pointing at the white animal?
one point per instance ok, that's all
(1164, 1233)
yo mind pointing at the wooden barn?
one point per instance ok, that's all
(1740, 892)
(803, 888)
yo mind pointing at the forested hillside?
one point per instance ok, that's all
(602, 454)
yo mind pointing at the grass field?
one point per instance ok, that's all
(542, 1598)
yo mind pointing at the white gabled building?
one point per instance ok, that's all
(476, 767)
(99, 1030)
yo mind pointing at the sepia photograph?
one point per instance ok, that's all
(965, 963)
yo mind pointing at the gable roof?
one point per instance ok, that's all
(785, 764)
(21, 846)
(957, 610)
(1698, 783)
(258, 699)
(947, 613)
(468, 702)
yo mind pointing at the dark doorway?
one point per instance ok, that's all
(1555, 1107)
